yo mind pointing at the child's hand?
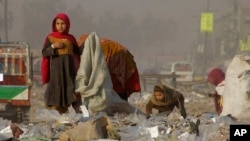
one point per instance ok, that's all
(57, 45)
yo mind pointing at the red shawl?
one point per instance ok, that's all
(45, 66)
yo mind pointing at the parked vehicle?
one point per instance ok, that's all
(183, 69)
(15, 80)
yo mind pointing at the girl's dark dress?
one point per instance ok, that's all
(60, 89)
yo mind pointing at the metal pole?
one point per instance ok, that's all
(205, 41)
(236, 26)
(6, 20)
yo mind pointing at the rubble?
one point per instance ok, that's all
(123, 127)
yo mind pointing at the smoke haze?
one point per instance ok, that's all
(182, 18)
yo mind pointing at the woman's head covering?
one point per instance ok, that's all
(164, 89)
(168, 94)
(160, 87)
(65, 18)
(216, 76)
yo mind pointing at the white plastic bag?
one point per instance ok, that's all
(245, 83)
(234, 97)
(220, 88)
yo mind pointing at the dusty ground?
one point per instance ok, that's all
(200, 105)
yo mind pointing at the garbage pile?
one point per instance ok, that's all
(120, 127)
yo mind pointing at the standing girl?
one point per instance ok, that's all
(59, 66)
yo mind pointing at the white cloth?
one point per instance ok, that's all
(220, 87)
(93, 80)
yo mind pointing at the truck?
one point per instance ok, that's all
(183, 69)
(15, 81)
(185, 75)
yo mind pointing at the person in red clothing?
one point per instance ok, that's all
(216, 76)
(122, 67)
(60, 53)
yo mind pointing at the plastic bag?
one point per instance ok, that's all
(245, 82)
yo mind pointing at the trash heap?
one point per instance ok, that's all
(119, 127)
(131, 127)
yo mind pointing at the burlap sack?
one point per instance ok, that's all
(94, 129)
(86, 131)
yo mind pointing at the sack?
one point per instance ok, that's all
(98, 103)
(220, 88)
(235, 99)
(94, 129)
(244, 78)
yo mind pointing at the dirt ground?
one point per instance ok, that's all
(199, 106)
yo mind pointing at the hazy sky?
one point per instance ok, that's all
(186, 14)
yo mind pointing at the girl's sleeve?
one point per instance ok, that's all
(181, 98)
(77, 53)
(47, 49)
(149, 107)
(181, 105)
(77, 49)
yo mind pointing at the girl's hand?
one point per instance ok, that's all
(57, 45)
